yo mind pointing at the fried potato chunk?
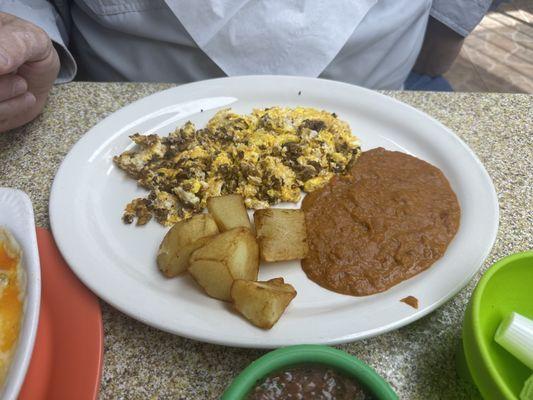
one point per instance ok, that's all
(181, 240)
(231, 255)
(281, 234)
(228, 211)
(262, 303)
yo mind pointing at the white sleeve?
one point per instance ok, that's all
(460, 15)
(44, 15)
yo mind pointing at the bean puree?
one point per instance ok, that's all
(389, 219)
(308, 382)
(410, 301)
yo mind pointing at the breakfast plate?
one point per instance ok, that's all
(16, 215)
(117, 261)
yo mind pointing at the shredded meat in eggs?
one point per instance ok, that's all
(268, 156)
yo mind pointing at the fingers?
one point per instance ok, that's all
(28, 67)
(12, 86)
(40, 75)
(16, 109)
(21, 42)
(16, 105)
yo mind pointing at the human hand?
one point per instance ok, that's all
(29, 65)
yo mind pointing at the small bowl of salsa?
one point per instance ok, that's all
(308, 372)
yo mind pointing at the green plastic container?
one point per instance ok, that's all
(507, 286)
(304, 354)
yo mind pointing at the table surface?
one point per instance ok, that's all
(141, 362)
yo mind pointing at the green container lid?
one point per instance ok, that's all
(309, 354)
(507, 286)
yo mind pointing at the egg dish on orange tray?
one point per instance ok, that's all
(11, 298)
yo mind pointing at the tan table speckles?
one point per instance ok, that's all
(143, 363)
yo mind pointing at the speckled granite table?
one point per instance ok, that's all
(143, 363)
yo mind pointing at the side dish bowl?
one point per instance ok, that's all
(505, 287)
(309, 354)
(16, 214)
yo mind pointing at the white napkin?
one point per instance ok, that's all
(290, 37)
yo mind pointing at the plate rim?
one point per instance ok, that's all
(24, 221)
(55, 190)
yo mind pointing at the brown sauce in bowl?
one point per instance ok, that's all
(389, 219)
(308, 382)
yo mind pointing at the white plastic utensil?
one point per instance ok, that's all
(515, 334)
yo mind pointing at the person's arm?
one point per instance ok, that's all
(29, 62)
(439, 50)
(449, 23)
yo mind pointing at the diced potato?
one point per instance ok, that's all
(231, 255)
(181, 240)
(262, 303)
(228, 211)
(281, 234)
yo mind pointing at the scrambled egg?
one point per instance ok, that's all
(11, 301)
(268, 156)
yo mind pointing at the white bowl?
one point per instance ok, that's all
(16, 214)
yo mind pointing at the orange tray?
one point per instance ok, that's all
(67, 358)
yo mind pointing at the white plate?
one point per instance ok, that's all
(16, 214)
(117, 261)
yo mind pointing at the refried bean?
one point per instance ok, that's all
(308, 382)
(387, 220)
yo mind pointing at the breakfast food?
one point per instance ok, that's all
(229, 211)
(225, 265)
(389, 219)
(228, 256)
(410, 301)
(267, 156)
(308, 382)
(281, 234)
(181, 240)
(262, 303)
(11, 298)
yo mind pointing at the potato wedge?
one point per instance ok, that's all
(231, 255)
(181, 240)
(281, 234)
(262, 303)
(228, 211)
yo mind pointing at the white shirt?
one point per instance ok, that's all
(143, 40)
